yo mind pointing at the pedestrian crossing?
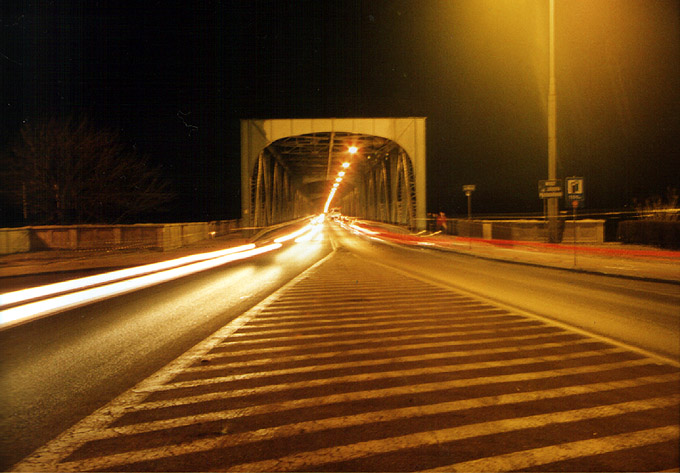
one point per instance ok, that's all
(352, 368)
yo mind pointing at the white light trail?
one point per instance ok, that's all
(81, 283)
(363, 230)
(295, 234)
(313, 232)
(41, 308)
(330, 199)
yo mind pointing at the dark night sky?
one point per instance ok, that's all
(175, 77)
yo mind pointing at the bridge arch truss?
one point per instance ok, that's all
(289, 165)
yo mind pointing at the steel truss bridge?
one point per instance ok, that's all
(288, 167)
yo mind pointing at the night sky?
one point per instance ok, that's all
(175, 77)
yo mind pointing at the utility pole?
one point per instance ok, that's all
(553, 232)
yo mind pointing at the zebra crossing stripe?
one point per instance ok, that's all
(317, 327)
(218, 358)
(566, 451)
(392, 414)
(307, 460)
(280, 351)
(375, 393)
(452, 367)
(405, 359)
(357, 378)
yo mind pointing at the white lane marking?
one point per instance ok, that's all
(423, 324)
(363, 377)
(69, 440)
(235, 351)
(451, 367)
(328, 294)
(567, 451)
(222, 359)
(290, 430)
(417, 331)
(312, 314)
(305, 321)
(382, 392)
(334, 303)
(374, 416)
(307, 460)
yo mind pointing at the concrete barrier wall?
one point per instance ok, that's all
(92, 237)
(15, 240)
(587, 231)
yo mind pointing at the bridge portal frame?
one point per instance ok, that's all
(407, 132)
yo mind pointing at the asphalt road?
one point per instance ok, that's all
(59, 369)
(640, 313)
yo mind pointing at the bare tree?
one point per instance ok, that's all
(70, 172)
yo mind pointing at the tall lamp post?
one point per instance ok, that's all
(553, 233)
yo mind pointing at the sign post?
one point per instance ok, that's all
(576, 195)
(469, 189)
(550, 190)
(575, 190)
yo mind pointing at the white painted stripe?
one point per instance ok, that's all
(305, 317)
(371, 332)
(420, 323)
(292, 321)
(222, 359)
(384, 392)
(234, 349)
(366, 377)
(376, 416)
(381, 349)
(515, 361)
(400, 300)
(307, 460)
(378, 296)
(322, 306)
(567, 451)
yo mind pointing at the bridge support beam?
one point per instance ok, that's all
(394, 191)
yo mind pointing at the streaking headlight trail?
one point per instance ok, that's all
(25, 312)
(295, 234)
(15, 297)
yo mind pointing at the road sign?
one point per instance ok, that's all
(575, 189)
(550, 188)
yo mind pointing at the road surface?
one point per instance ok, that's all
(63, 368)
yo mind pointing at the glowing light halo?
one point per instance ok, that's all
(112, 276)
(55, 304)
